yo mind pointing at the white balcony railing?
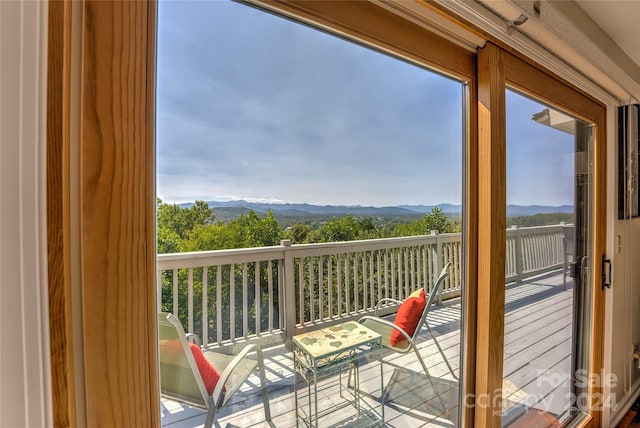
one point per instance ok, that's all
(534, 250)
(269, 294)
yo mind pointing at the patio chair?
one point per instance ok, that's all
(202, 378)
(404, 340)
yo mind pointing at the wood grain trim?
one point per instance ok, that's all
(372, 25)
(118, 215)
(151, 302)
(471, 278)
(466, 24)
(599, 249)
(587, 422)
(524, 76)
(58, 238)
(491, 235)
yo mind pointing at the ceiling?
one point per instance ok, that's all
(620, 20)
(593, 44)
(597, 38)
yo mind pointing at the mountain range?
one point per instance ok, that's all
(241, 206)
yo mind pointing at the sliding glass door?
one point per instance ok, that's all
(302, 180)
(548, 260)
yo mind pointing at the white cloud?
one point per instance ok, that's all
(260, 108)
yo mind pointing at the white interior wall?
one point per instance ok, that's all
(624, 317)
(25, 397)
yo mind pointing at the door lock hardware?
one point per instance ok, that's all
(573, 269)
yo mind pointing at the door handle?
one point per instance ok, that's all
(606, 273)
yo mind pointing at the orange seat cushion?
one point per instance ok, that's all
(408, 316)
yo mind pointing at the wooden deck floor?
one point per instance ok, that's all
(538, 326)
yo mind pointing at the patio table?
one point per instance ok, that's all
(326, 352)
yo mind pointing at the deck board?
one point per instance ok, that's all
(538, 328)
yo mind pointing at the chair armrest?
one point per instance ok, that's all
(217, 392)
(193, 338)
(389, 324)
(387, 300)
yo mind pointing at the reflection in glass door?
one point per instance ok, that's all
(548, 257)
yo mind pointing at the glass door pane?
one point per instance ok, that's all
(303, 179)
(548, 258)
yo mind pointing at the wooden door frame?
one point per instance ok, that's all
(63, 380)
(106, 141)
(530, 78)
(492, 233)
(498, 70)
(116, 258)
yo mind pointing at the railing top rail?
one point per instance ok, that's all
(541, 228)
(302, 250)
(219, 257)
(240, 255)
(400, 241)
(230, 252)
(209, 253)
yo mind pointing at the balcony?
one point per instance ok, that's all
(267, 295)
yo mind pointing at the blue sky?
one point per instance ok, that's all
(252, 106)
(539, 158)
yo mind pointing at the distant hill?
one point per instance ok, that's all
(306, 209)
(448, 209)
(229, 210)
(522, 210)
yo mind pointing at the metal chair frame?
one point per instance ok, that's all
(234, 371)
(385, 327)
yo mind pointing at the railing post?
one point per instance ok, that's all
(190, 301)
(438, 264)
(518, 252)
(289, 289)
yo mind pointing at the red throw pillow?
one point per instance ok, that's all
(172, 349)
(408, 316)
(209, 374)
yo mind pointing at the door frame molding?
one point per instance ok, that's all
(101, 213)
(498, 70)
(117, 199)
(532, 79)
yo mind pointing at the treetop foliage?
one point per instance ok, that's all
(196, 229)
(540, 219)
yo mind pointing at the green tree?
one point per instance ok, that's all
(347, 228)
(168, 240)
(183, 220)
(540, 219)
(252, 231)
(298, 233)
(336, 230)
(206, 237)
(434, 220)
